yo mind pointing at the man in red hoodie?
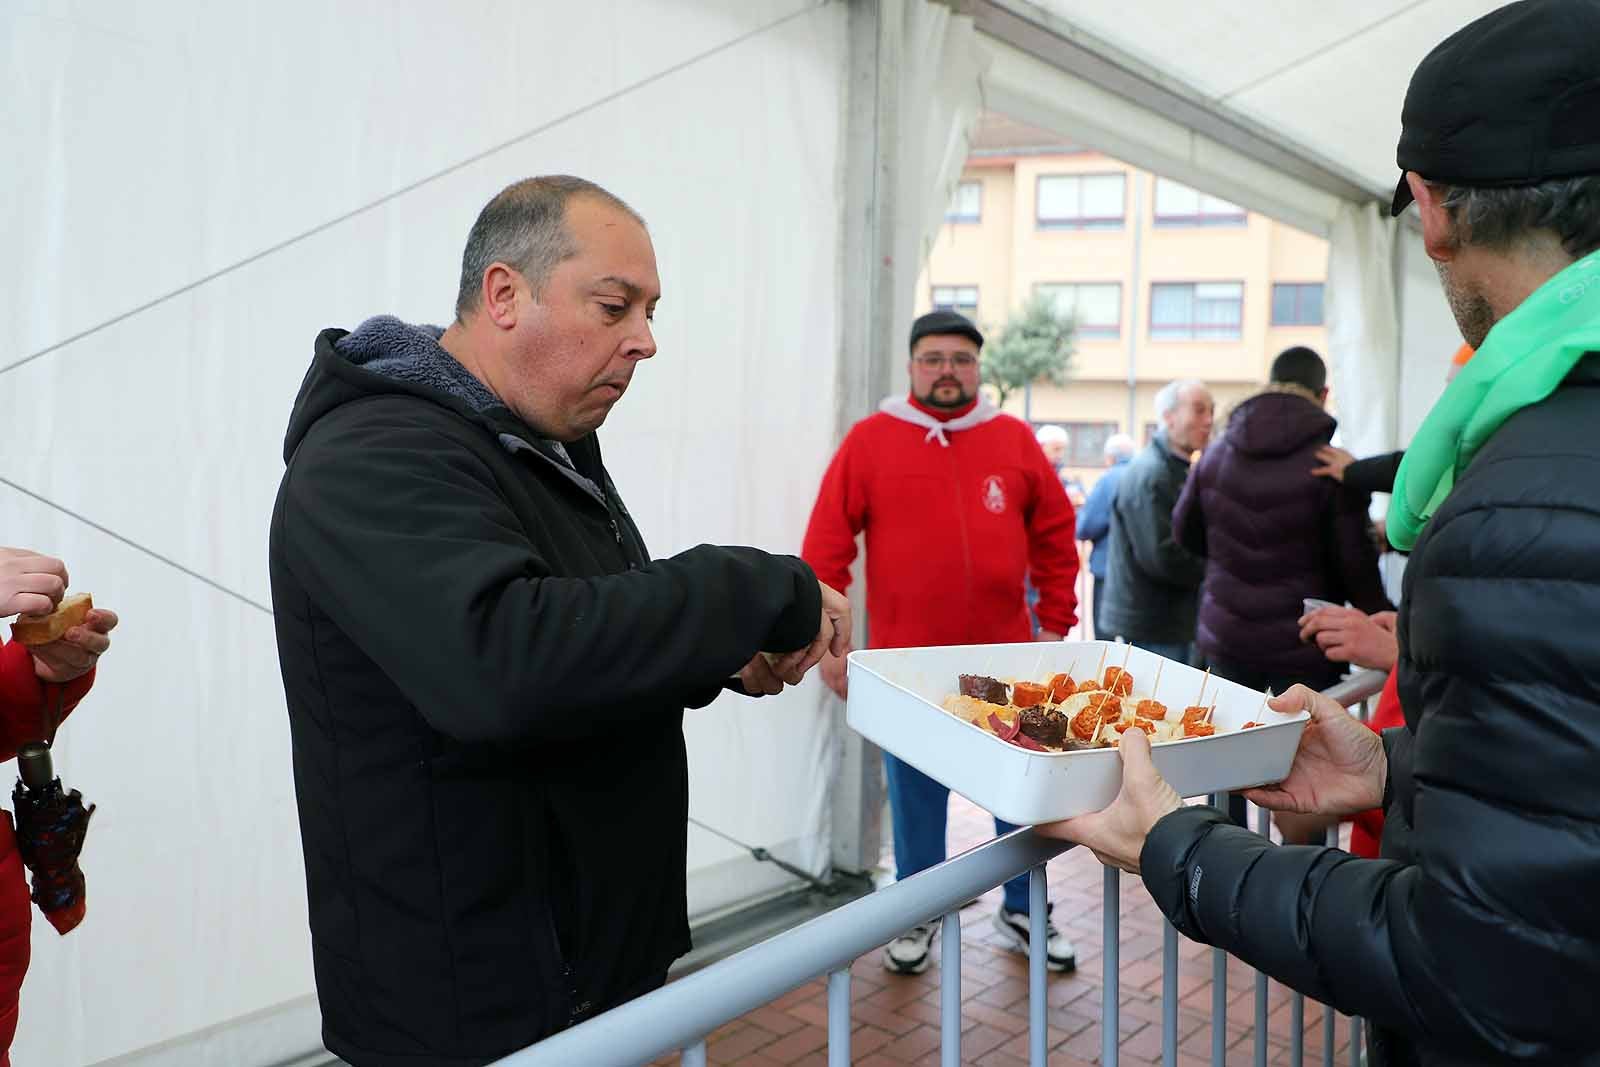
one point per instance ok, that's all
(53, 676)
(958, 504)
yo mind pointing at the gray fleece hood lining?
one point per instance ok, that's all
(411, 353)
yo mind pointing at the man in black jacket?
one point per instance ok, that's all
(1475, 939)
(1152, 581)
(486, 673)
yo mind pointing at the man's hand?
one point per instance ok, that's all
(835, 671)
(1116, 835)
(1347, 635)
(1046, 636)
(76, 652)
(833, 636)
(1339, 769)
(30, 583)
(758, 677)
(1334, 461)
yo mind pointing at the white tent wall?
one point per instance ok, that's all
(193, 193)
(1363, 327)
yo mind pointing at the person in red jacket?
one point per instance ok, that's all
(958, 505)
(32, 682)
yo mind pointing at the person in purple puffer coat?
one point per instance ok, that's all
(1274, 534)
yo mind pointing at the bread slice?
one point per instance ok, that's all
(42, 629)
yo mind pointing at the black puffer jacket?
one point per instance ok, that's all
(1152, 581)
(1476, 940)
(1273, 534)
(486, 676)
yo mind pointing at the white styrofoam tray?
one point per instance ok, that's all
(895, 697)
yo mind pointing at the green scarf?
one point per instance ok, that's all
(1525, 357)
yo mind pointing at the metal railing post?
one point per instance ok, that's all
(1219, 983)
(839, 1018)
(1297, 1030)
(1328, 1020)
(950, 991)
(1357, 1053)
(1110, 1027)
(1037, 948)
(1264, 828)
(1169, 996)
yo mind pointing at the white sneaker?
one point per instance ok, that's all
(1013, 926)
(908, 953)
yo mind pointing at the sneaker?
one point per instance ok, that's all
(1013, 926)
(908, 953)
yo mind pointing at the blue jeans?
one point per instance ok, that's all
(920, 808)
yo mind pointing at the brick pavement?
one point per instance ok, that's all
(896, 1018)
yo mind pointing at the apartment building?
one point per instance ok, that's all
(1163, 281)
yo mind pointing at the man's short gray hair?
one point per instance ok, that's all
(1167, 399)
(1503, 218)
(1119, 446)
(525, 227)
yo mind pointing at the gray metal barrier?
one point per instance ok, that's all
(680, 1015)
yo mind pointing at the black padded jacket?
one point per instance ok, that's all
(1476, 938)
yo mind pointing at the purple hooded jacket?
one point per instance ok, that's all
(1273, 534)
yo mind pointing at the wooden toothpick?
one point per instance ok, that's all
(1099, 672)
(1203, 680)
(1155, 690)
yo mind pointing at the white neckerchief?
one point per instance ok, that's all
(903, 409)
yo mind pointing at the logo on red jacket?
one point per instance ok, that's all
(994, 494)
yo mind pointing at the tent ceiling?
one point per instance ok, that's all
(1326, 77)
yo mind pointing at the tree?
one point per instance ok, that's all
(1035, 344)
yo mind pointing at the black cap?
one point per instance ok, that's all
(1511, 99)
(944, 322)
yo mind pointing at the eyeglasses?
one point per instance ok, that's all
(960, 361)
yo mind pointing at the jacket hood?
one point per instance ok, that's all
(938, 429)
(384, 355)
(1279, 421)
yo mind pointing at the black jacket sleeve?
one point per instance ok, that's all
(402, 536)
(1485, 942)
(1355, 555)
(1375, 474)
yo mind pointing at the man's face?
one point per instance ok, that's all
(944, 370)
(1055, 452)
(575, 345)
(1189, 423)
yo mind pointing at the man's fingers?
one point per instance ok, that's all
(758, 677)
(840, 645)
(89, 640)
(31, 604)
(1268, 796)
(101, 621)
(1296, 698)
(1136, 763)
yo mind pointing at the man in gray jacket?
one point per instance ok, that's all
(1153, 582)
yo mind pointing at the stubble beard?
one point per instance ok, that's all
(1472, 312)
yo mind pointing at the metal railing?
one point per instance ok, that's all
(682, 1014)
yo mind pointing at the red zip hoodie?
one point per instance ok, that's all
(957, 508)
(23, 702)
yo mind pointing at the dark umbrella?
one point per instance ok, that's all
(51, 824)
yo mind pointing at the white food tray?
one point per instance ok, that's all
(895, 697)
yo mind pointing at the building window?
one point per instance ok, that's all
(1081, 201)
(1096, 308)
(1298, 304)
(1196, 311)
(967, 204)
(1179, 205)
(962, 298)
